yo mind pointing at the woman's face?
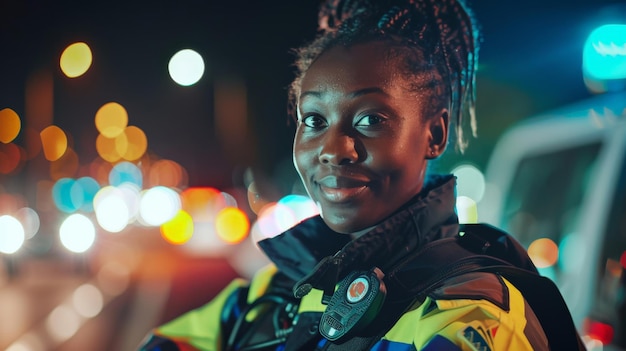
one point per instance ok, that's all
(362, 142)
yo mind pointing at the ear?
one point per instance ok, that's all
(438, 134)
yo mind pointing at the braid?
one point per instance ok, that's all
(441, 38)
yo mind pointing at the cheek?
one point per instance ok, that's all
(302, 157)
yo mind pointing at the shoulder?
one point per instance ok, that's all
(475, 286)
(477, 308)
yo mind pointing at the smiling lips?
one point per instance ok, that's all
(341, 189)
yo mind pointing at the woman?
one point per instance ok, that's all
(376, 96)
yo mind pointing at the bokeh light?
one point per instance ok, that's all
(232, 225)
(272, 220)
(111, 119)
(11, 234)
(53, 142)
(66, 197)
(9, 203)
(255, 200)
(126, 172)
(136, 144)
(30, 221)
(604, 56)
(10, 157)
(158, 205)
(186, 67)
(30, 341)
(167, 173)
(77, 233)
(76, 60)
(466, 210)
(179, 229)
(301, 206)
(87, 300)
(113, 277)
(10, 125)
(571, 250)
(112, 212)
(66, 166)
(543, 252)
(62, 323)
(202, 203)
(86, 189)
(470, 182)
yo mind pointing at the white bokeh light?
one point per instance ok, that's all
(77, 233)
(466, 210)
(87, 300)
(30, 220)
(111, 208)
(470, 182)
(158, 205)
(62, 323)
(186, 67)
(11, 234)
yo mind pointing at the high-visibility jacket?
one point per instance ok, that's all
(473, 311)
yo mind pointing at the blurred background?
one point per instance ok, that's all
(145, 147)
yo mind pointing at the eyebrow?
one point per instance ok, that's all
(354, 94)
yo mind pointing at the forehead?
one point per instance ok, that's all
(372, 64)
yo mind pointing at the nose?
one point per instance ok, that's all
(338, 149)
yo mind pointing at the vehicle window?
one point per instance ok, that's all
(546, 193)
(610, 306)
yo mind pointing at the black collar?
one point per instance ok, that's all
(305, 250)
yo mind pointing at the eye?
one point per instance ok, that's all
(369, 120)
(314, 121)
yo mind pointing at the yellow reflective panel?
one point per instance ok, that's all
(111, 119)
(10, 125)
(76, 60)
(232, 225)
(54, 142)
(544, 252)
(179, 229)
(107, 148)
(65, 167)
(137, 143)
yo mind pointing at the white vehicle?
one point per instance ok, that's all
(561, 176)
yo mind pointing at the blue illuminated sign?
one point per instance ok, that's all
(604, 53)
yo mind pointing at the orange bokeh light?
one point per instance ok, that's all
(544, 252)
(111, 119)
(136, 143)
(232, 225)
(179, 229)
(54, 142)
(202, 203)
(10, 125)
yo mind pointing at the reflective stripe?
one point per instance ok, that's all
(200, 328)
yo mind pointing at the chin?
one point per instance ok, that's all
(342, 225)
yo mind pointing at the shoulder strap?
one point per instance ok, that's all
(484, 248)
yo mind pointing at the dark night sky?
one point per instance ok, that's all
(530, 61)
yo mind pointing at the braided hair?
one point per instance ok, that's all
(441, 36)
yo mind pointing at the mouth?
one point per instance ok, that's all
(341, 189)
